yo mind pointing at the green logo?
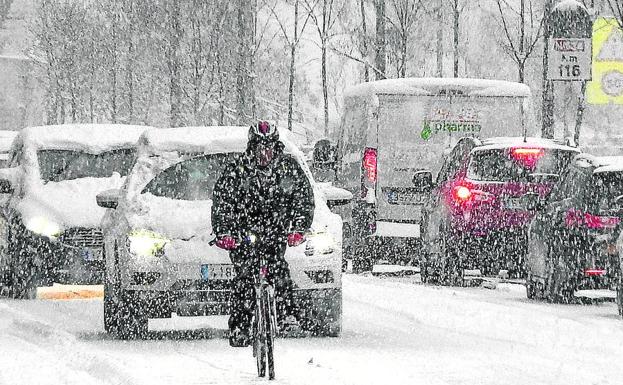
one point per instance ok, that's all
(440, 125)
(427, 132)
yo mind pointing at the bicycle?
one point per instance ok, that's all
(264, 321)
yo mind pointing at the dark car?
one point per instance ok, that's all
(476, 218)
(572, 242)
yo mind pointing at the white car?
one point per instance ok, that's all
(49, 222)
(157, 237)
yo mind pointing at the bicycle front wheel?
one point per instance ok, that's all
(270, 328)
(259, 338)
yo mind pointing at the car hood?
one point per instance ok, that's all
(68, 203)
(188, 229)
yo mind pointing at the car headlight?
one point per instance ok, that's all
(145, 243)
(320, 243)
(44, 226)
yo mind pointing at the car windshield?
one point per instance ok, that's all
(517, 164)
(191, 180)
(60, 165)
(608, 191)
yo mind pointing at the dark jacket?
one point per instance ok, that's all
(268, 202)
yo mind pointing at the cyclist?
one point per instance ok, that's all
(263, 193)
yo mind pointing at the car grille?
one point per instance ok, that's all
(83, 237)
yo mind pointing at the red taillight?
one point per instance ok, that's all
(462, 193)
(527, 156)
(599, 222)
(369, 164)
(594, 272)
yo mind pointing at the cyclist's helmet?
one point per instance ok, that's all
(263, 142)
(263, 133)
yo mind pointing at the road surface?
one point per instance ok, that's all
(396, 331)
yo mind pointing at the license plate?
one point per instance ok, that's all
(515, 203)
(404, 198)
(217, 272)
(89, 254)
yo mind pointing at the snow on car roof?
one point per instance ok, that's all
(93, 138)
(432, 86)
(209, 139)
(568, 5)
(505, 142)
(608, 164)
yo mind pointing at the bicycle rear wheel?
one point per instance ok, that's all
(270, 328)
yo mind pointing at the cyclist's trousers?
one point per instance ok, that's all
(243, 293)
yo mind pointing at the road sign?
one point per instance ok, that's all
(607, 84)
(569, 58)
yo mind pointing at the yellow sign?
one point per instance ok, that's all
(607, 84)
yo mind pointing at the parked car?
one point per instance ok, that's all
(6, 138)
(393, 129)
(157, 237)
(572, 242)
(476, 216)
(50, 221)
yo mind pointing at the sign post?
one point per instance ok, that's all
(569, 50)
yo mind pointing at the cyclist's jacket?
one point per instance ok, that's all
(268, 202)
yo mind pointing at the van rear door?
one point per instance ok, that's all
(415, 130)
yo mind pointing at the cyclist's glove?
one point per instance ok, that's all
(295, 239)
(226, 243)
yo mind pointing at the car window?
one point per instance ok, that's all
(571, 186)
(60, 165)
(607, 191)
(501, 165)
(454, 160)
(192, 179)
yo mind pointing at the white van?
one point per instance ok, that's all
(392, 130)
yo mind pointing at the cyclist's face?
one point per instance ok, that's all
(264, 154)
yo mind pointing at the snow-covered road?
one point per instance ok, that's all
(395, 332)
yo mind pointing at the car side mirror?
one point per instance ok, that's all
(108, 199)
(423, 181)
(335, 196)
(533, 202)
(5, 186)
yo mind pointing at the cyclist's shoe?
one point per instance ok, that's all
(290, 327)
(239, 338)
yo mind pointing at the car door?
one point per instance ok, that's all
(435, 210)
(553, 227)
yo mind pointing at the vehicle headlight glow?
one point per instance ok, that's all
(145, 243)
(44, 226)
(320, 243)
